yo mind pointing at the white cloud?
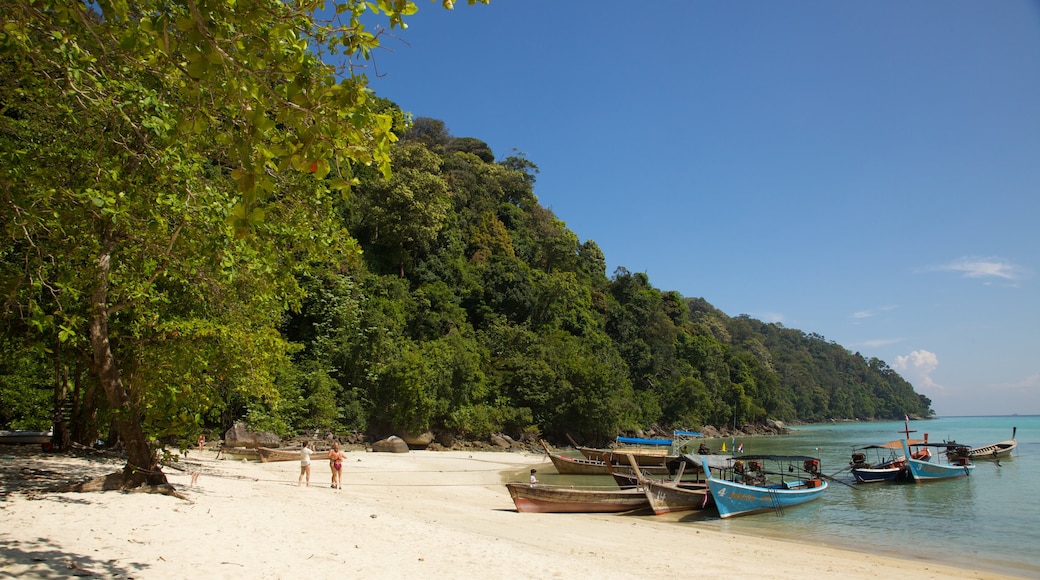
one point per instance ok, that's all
(870, 313)
(1028, 383)
(879, 342)
(917, 367)
(983, 268)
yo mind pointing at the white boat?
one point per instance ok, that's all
(25, 437)
(996, 451)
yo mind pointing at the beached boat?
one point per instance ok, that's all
(745, 487)
(268, 454)
(996, 451)
(677, 493)
(25, 437)
(922, 470)
(238, 453)
(541, 498)
(573, 466)
(647, 456)
(583, 466)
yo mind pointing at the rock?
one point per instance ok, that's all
(446, 439)
(392, 444)
(419, 442)
(241, 436)
(501, 441)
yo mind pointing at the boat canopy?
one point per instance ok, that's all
(897, 444)
(714, 461)
(777, 457)
(640, 441)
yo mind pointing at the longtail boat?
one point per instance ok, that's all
(539, 498)
(995, 451)
(744, 486)
(675, 494)
(268, 455)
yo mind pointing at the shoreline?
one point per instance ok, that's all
(436, 513)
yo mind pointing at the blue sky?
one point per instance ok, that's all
(866, 171)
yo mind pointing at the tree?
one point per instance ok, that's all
(144, 149)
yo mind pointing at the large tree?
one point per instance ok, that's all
(146, 153)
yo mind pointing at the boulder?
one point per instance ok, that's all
(502, 441)
(392, 444)
(419, 442)
(241, 436)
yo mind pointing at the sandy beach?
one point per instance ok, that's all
(423, 514)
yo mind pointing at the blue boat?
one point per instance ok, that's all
(921, 470)
(744, 487)
(889, 467)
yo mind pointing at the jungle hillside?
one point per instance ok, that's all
(203, 225)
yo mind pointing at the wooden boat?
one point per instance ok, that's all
(995, 451)
(25, 437)
(541, 498)
(744, 486)
(238, 453)
(645, 456)
(268, 454)
(675, 494)
(583, 466)
(888, 468)
(922, 470)
(572, 466)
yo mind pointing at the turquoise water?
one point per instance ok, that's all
(984, 522)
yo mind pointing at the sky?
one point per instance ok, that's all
(865, 171)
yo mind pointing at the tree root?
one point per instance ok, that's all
(118, 482)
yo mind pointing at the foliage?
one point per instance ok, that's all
(202, 227)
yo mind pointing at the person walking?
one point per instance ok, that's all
(305, 464)
(336, 459)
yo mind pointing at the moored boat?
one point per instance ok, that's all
(656, 455)
(996, 451)
(584, 466)
(268, 454)
(539, 498)
(25, 437)
(888, 468)
(675, 494)
(238, 453)
(922, 470)
(745, 487)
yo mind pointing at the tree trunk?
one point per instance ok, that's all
(142, 465)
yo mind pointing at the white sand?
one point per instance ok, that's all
(423, 514)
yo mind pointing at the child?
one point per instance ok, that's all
(534, 480)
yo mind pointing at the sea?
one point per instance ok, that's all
(988, 521)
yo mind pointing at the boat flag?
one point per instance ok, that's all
(906, 416)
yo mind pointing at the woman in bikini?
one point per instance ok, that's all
(336, 459)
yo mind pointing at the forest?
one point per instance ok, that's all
(187, 246)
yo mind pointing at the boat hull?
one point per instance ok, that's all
(268, 455)
(549, 499)
(668, 497)
(922, 471)
(880, 474)
(738, 499)
(25, 437)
